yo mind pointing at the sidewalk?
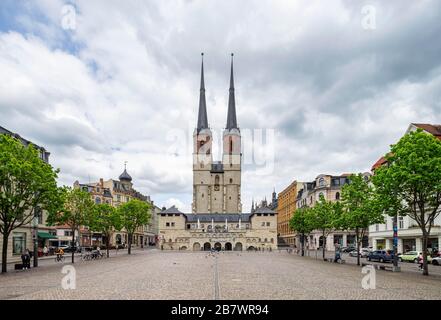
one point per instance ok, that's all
(50, 260)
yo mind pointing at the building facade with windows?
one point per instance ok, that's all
(217, 221)
(330, 187)
(285, 210)
(115, 193)
(409, 234)
(23, 237)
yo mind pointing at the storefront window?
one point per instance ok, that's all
(18, 242)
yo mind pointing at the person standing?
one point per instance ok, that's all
(45, 251)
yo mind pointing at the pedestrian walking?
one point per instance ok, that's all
(421, 261)
(45, 251)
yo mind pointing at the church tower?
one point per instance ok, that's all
(216, 184)
(202, 155)
(232, 154)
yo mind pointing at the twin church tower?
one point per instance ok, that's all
(216, 184)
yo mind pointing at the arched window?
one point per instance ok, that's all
(337, 196)
(231, 180)
(97, 200)
(321, 182)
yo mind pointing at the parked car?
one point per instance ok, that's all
(412, 256)
(381, 255)
(363, 253)
(348, 249)
(436, 261)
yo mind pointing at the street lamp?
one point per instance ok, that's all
(395, 243)
(35, 234)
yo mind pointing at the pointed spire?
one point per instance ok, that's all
(202, 116)
(231, 118)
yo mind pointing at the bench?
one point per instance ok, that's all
(341, 261)
(381, 267)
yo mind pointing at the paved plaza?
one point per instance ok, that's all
(154, 274)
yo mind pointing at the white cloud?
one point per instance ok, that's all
(114, 89)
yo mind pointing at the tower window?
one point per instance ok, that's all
(231, 180)
(231, 145)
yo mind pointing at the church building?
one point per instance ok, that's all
(217, 221)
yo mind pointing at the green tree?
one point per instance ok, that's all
(26, 183)
(324, 216)
(134, 214)
(77, 209)
(410, 183)
(359, 208)
(301, 222)
(105, 219)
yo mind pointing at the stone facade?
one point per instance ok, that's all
(217, 221)
(198, 232)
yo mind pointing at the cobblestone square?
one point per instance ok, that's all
(153, 274)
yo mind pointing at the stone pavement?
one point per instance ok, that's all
(154, 274)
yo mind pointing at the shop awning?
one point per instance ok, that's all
(46, 235)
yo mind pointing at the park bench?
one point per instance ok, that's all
(380, 267)
(341, 261)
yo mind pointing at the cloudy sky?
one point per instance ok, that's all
(326, 85)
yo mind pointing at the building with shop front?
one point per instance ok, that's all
(330, 187)
(409, 234)
(115, 193)
(217, 221)
(23, 237)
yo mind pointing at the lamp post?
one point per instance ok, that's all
(35, 235)
(396, 268)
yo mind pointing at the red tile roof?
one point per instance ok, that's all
(379, 163)
(434, 129)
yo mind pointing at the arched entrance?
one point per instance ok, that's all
(196, 246)
(228, 246)
(207, 246)
(183, 248)
(251, 248)
(238, 246)
(217, 246)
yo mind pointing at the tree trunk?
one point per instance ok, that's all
(130, 244)
(357, 236)
(425, 264)
(73, 244)
(324, 244)
(5, 253)
(302, 241)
